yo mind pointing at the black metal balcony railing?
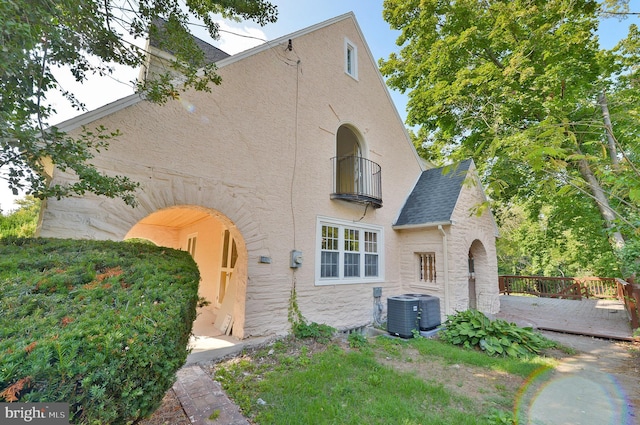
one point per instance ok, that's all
(357, 179)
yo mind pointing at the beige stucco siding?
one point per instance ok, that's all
(453, 241)
(257, 150)
(467, 228)
(416, 241)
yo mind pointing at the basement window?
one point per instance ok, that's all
(350, 59)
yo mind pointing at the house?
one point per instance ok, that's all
(296, 172)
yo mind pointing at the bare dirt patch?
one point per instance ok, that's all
(169, 413)
(483, 386)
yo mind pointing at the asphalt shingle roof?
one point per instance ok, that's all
(211, 53)
(434, 196)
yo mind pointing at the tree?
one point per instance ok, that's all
(23, 221)
(553, 237)
(524, 88)
(87, 37)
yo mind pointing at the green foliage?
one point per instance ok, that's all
(317, 331)
(554, 236)
(524, 89)
(301, 328)
(438, 348)
(103, 326)
(357, 340)
(294, 315)
(472, 329)
(500, 417)
(88, 38)
(21, 223)
(630, 256)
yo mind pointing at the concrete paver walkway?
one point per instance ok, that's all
(596, 386)
(599, 385)
(203, 399)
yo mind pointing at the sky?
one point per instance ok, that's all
(293, 15)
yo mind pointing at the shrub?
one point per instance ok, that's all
(319, 332)
(103, 326)
(472, 329)
(630, 257)
(357, 340)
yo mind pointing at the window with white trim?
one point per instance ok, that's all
(350, 58)
(427, 267)
(348, 252)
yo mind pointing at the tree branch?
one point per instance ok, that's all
(493, 58)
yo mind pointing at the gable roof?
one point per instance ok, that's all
(132, 99)
(434, 196)
(211, 53)
(135, 98)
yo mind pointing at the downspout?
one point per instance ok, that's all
(445, 248)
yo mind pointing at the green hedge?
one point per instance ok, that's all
(103, 326)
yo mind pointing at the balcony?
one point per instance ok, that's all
(356, 179)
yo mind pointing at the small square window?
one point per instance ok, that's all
(350, 59)
(427, 267)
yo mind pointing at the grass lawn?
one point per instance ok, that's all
(383, 381)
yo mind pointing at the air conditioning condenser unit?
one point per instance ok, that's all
(402, 315)
(429, 311)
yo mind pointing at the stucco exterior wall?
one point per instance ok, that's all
(467, 233)
(467, 229)
(257, 152)
(422, 241)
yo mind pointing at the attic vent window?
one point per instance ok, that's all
(350, 58)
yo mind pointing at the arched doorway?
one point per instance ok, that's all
(479, 280)
(219, 251)
(347, 142)
(348, 154)
(473, 300)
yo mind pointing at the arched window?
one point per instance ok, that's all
(347, 143)
(356, 179)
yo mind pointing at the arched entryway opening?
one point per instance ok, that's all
(218, 248)
(348, 143)
(473, 301)
(356, 178)
(479, 276)
(348, 161)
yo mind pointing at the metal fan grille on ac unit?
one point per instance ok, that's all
(402, 315)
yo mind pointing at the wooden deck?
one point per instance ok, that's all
(591, 317)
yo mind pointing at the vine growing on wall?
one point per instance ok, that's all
(299, 325)
(294, 314)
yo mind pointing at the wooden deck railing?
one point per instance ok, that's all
(629, 293)
(559, 287)
(576, 288)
